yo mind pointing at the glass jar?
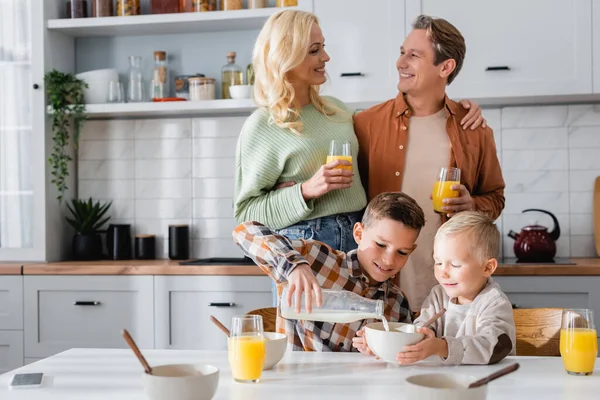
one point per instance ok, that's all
(135, 84)
(102, 8)
(257, 3)
(164, 6)
(160, 88)
(201, 88)
(76, 8)
(229, 5)
(204, 5)
(128, 7)
(287, 3)
(231, 74)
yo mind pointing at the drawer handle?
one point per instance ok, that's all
(86, 303)
(515, 306)
(221, 304)
(347, 74)
(498, 68)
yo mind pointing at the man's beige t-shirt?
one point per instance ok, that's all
(428, 150)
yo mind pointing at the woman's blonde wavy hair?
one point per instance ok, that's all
(282, 45)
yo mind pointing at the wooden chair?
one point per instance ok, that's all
(269, 315)
(538, 331)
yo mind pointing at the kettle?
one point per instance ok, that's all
(535, 243)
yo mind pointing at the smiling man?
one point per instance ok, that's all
(404, 142)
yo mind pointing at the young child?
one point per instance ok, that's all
(478, 326)
(386, 236)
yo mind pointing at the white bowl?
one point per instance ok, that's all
(97, 81)
(387, 345)
(275, 345)
(443, 387)
(241, 91)
(182, 382)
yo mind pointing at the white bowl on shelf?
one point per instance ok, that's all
(241, 91)
(97, 81)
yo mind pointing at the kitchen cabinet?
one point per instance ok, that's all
(11, 302)
(183, 306)
(11, 350)
(552, 291)
(543, 49)
(62, 312)
(363, 42)
(596, 46)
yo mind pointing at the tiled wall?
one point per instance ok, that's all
(163, 171)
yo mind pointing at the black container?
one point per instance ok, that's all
(87, 247)
(145, 247)
(179, 242)
(118, 241)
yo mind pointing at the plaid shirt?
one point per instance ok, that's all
(278, 256)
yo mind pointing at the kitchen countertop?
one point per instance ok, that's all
(10, 269)
(582, 267)
(95, 374)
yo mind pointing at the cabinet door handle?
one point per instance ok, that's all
(221, 304)
(515, 306)
(36, 86)
(347, 74)
(498, 68)
(87, 303)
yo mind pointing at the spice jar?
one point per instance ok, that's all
(102, 8)
(160, 89)
(201, 88)
(229, 5)
(164, 6)
(204, 5)
(287, 3)
(185, 6)
(182, 88)
(128, 7)
(257, 3)
(76, 8)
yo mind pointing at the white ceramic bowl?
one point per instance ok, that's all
(241, 91)
(443, 387)
(97, 81)
(275, 346)
(182, 382)
(387, 345)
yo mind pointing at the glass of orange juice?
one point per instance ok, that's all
(441, 188)
(246, 348)
(340, 150)
(578, 341)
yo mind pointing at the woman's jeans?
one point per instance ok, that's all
(334, 230)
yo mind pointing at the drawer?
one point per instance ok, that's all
(183, 308)
(11, 302)
(63, 312)
(11, 350)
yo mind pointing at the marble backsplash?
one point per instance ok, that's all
(172, 171)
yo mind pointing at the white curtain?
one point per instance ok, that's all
(16, 191)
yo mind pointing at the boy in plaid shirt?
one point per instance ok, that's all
(386, 237)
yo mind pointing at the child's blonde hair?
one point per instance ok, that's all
(282, 45)
(483, 235)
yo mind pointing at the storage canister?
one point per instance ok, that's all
(201, 88)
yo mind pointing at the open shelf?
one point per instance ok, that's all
(160, 24)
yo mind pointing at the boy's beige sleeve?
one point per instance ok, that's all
(495, 337)
(272, 252)
(431, 306)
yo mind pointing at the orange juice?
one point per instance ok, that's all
(441, 190)
(344, 158)
(579, 349)
(246, 357)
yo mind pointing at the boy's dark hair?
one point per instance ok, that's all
(396, 206)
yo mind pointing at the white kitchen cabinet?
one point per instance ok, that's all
(363, 40)
(553, 291)
(62, 312)
(519, 48)
(11, 302)
(183, 306)
(11, 350)
(596, 45)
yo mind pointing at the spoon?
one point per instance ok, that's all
(136, 351)
(431, 320)
(220, 325)
(413, 328)
(495, 375)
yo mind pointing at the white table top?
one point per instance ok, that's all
(93, 374)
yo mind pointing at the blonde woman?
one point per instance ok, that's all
(282, 179)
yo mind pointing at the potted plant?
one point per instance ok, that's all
(65, 97)
(87, 218)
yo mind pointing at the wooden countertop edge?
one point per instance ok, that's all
(10, 269)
